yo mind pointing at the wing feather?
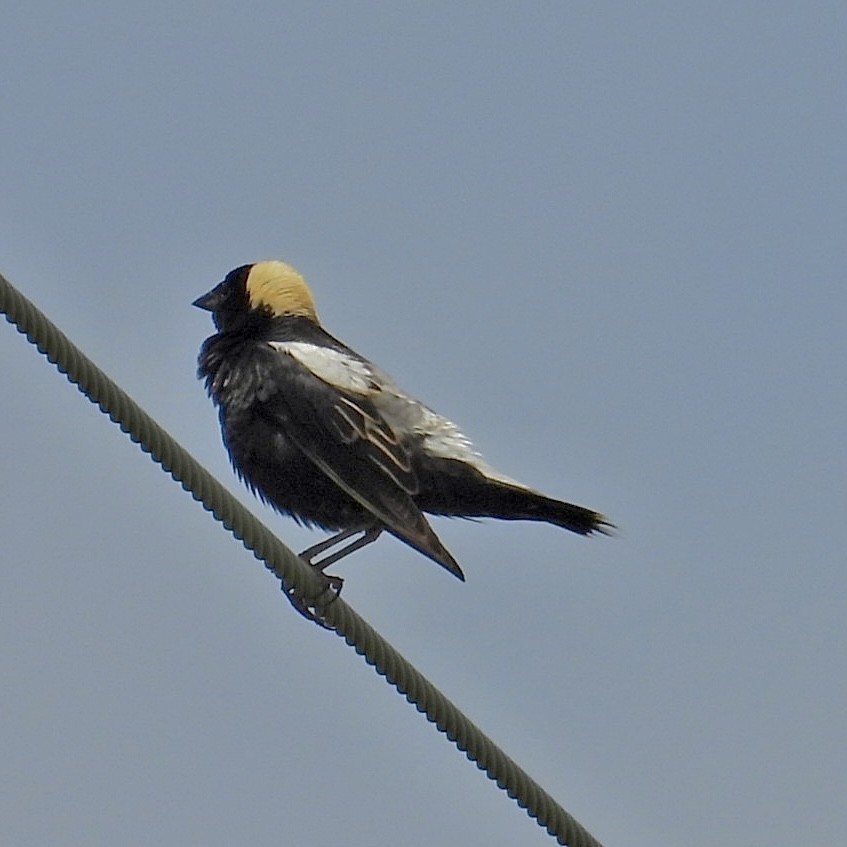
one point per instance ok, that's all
(336, 425)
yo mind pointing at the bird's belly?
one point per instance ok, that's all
(282, 476)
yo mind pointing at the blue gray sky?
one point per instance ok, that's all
(607, 240)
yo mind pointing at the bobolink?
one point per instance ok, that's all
(323, 435)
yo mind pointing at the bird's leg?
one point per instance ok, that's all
(369, 535)
(310, 552)
(335, 582)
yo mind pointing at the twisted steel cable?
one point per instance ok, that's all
(297, 578)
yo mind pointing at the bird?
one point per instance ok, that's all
(322, 434)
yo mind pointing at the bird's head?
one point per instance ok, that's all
(272, 288)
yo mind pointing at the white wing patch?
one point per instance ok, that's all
(333, 367)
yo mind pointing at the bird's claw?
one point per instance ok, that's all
(333, 583)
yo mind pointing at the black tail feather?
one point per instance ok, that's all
(511, 503)
(466, 492)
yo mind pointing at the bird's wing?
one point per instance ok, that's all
(324, 401)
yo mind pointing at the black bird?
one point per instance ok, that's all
(323, 435)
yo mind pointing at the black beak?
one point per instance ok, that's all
(212, 300)
(208, 301)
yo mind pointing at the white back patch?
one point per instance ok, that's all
(444, 439)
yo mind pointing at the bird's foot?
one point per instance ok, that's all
(334, 583)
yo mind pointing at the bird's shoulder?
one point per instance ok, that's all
(332, 363)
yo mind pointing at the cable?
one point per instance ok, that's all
(297, 578)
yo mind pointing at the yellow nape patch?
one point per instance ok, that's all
(278, 287)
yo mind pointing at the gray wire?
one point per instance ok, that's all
(295, 575)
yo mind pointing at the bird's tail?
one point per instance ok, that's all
(468, 493)
(519, 504)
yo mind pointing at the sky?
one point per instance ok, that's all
(607, 239)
